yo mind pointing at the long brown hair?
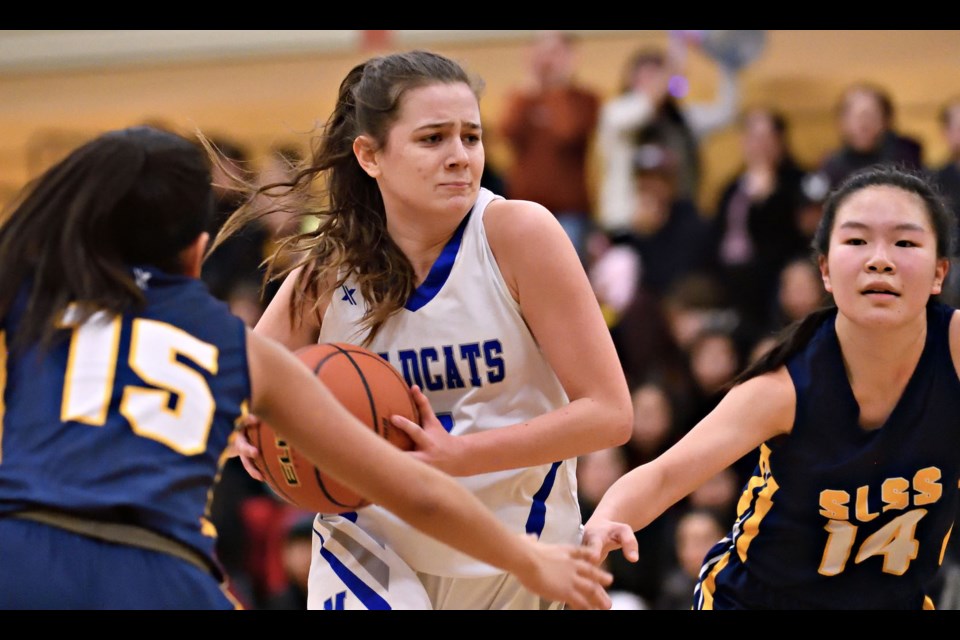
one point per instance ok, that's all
(350, 239)
(129, 197)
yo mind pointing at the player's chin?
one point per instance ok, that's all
(888, 316)
(457, 195)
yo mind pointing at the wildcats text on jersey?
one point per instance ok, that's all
(435, 368)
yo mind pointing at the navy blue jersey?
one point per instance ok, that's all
(838, 516)
(127, 418)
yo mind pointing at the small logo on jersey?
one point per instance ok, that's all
(348, 295)
(141, 277)
(335, 603)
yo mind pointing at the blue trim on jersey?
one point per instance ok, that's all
(370, 599)
(440, 270)
(538, 510)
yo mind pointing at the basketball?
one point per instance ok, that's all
(371, 389)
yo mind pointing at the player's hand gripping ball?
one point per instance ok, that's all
(371, 389)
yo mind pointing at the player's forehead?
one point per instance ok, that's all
(439, 104)
(883, 207)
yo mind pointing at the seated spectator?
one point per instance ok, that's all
(868, 135)
(754, 230)
(655, 423)
(296, 552)
(697, 531)
(800, 292)
(666, 229)
(947, 176)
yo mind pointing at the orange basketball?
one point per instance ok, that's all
(371, 389)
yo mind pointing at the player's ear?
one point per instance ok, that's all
(365, 149)
(825, 273)
(943, 268)
(192, 256)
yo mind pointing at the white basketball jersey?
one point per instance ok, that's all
(462, 339)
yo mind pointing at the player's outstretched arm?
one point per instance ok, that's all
(297, 405)
(750, 414)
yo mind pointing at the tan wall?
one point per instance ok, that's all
(260, 101)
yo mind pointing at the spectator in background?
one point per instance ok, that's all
(655, 423)
(754, 230)
(664, 244)
(647, 111)
(549, 124)
(296, 551)
(865, 118)
(666, 228)
(947, 173)
(719, 493)
(691, 305)
(813, 192)
(279, 167)
(697, 530)
(947, 176)
(799, 293)
(715, 359)
(640, 328)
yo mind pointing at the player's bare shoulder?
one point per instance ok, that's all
(520, 221)
(770, 400)
(522, 235)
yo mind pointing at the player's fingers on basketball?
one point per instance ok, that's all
(251, 468)
(423, 406)
(249, 420)
(243, 446)
(412, 429)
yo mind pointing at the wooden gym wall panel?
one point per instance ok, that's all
(259, 100)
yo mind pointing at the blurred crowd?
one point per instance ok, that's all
(691, 292)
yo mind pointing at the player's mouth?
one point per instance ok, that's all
(879, 290)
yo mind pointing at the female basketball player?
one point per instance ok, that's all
(480, 302)
(122, 380)
(855, 413)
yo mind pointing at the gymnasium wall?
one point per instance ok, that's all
(263, 98)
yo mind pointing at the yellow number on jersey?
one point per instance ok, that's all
(154, 348)
(895, 541)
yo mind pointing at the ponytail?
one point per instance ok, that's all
(789, 342)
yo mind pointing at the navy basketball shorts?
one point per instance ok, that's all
(45, 567)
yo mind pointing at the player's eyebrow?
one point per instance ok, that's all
(902, 226)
